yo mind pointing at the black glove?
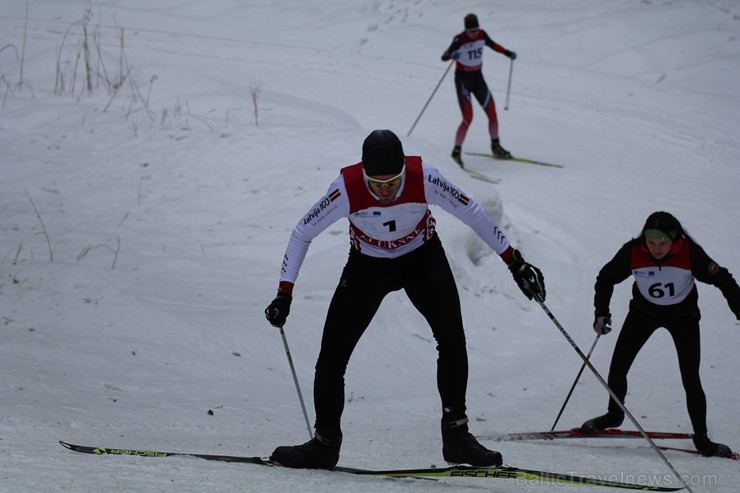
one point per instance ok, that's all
(603, 323)
(528, 277)
(277, 312)
(510, 54)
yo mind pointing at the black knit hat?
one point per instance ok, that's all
(382, 153)
(471, 21)
(662, 225)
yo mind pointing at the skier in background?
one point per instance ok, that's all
(665, 261)
(393, 246)
(467, 51)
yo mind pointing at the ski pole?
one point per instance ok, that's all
(612, 394)
(508, 88)
(430, 98)
(295, 380)
(583, 366)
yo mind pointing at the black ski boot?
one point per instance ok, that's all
(612, 419)
(456, 151)
(708, 448)
(460, 447)
(321, 452)
(498, 151)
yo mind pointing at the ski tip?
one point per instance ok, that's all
(69, 446)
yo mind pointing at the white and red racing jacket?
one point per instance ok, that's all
(388, 230)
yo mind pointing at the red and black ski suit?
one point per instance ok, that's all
(469, 79)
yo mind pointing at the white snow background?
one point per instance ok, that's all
(142, 231)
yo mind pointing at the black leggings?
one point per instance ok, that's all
(426, 277)
(635, 332)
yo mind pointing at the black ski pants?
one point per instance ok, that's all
(427, 279)
(637, 329)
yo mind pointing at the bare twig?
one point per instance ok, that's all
(23, 48)
(60, 86)
(255, 91)
(137, 94)
(116, 89)
(165, 118)
(43, 228)
(17, 57)
(125, 216)
(151, 84)
(87, 57)
(18, 253)
(8, 254)
(115, 251)
(84, 252)
(21, 62)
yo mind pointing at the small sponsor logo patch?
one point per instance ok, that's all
(368, 214)
(713, 267)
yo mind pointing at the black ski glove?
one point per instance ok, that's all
(528, 277)
(602, 323)
(277, 312)
(510, 54)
